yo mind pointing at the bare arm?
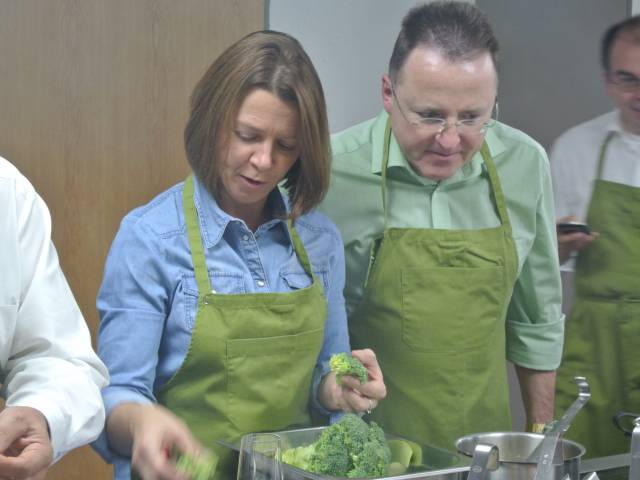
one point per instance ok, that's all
(538, 393)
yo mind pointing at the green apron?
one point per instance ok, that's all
(433, 310)
(602, 340)
(251, 357)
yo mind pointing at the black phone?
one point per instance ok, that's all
(572, 227)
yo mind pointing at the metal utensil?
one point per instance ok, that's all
(547, 447)
(485, 460)
(634, 466)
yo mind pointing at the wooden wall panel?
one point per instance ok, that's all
(93, 101)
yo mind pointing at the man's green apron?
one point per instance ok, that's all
(434, 310)
(602, 340)
(251, 357)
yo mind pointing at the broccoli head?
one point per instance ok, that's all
(344, 364)
(348, 448)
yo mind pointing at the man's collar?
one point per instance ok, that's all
(213, 220)
(397, 160)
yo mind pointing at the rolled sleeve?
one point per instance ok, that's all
(535, 322)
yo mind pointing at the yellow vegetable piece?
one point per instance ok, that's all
(416, 458)
(395, 469)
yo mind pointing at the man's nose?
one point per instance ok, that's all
(448, 136)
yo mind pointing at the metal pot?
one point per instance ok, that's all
(515, 449)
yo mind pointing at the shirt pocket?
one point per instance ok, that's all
(297, 280)
(222, 282)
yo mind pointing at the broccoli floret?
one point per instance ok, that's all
(331, 456)
(344, 364)
(199, 468)
(299, 456)
(372, 461)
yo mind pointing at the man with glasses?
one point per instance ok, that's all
(448, 223)
(596, 172)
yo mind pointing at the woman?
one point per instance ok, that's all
(222, 299)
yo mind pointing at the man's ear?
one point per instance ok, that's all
(387, 93)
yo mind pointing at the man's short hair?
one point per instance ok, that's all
(458, 29)
(630, 26)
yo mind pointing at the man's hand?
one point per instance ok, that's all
(153, 434)
(350, 395)
(572, 242)
(25, 446)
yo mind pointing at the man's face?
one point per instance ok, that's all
(623, 81)
(430, 87)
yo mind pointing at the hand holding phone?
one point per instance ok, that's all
(573, 227)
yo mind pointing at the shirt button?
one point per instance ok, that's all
(245, 237)
(260, 283)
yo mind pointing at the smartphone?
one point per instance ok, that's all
(572, 227)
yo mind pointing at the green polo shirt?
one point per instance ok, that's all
(535, 323)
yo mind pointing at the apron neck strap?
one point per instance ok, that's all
(298, 246)
(603, 151)
(195, 239)
(496, 188)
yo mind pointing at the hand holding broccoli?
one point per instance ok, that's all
(355, 383)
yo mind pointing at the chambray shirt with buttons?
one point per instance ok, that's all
(148, 298)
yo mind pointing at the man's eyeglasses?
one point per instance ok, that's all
(437, 125)
(626, 82)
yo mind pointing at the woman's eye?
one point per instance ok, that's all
(287, 147)
(247, 137)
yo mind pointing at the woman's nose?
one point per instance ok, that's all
(262, 157)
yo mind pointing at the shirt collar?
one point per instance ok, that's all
(473, 168)
(214, 221)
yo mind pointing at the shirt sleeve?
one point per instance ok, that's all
(535, 323)
(52, 366)
(336, 333)
(132, 301)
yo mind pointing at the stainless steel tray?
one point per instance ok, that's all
(438, 464)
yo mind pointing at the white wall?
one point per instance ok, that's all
(349, 42)
(635, 7)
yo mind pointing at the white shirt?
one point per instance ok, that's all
(46, 359)
(574, 163)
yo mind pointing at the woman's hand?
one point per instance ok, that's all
(350, 395)
(154, 434)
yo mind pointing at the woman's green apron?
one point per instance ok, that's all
(434, 310)
(602, 340)
(251, 357)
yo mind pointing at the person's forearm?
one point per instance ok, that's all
(538, 393)
(120, 426)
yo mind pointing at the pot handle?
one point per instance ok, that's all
(617, 421)
(485, 460)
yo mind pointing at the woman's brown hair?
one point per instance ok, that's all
(277, 63)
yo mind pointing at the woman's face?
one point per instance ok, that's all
(263, 145)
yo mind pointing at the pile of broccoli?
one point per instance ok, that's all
(349, 448)
(344, 364)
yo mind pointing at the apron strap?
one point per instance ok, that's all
(298, 246)
(195, 239)
(602, 155)
(496, 188)
(385, 161)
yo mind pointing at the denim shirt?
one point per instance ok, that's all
(148, 298)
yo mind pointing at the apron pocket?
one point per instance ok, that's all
(444, 309)
(269, 380)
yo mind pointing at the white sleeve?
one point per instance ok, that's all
(561, 176)
(50, 365)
